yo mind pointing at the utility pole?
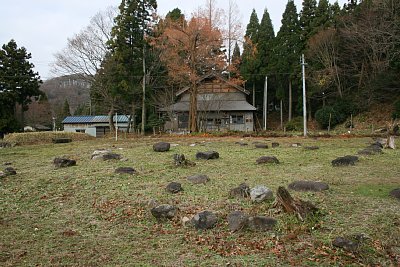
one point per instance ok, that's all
(144, 91)
(265, 102)
(303, 67)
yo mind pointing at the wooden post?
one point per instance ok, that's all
(281, 115)
(351, 122)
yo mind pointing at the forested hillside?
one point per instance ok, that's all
(74, 90)
(352, 56)
(134, 61)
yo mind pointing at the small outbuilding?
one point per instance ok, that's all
(36, 128)
(96, 126)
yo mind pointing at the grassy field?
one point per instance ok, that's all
(87, 215)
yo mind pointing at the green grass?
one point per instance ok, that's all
(87, 215)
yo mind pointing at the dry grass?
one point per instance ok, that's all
(87, 215)
(38, 138)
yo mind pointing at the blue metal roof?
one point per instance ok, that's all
(93, 119)
(78, 119)
(104, 119)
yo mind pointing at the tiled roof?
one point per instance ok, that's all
(212, 106)
(93, 119)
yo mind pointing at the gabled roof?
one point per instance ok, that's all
(93, 119)
(217, 76)
(183, 106)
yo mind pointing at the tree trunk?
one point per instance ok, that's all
(309, 110)
(111, 118)
(391, 142)
(301, 208)
(144, 92)
(281, 109)
(23, 117)
(290, 100)
(193, 109)
(131, 124)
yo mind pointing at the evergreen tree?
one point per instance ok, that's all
(129, 44)
(175, 15)
(307, 19)
(236, 54)
(249, 66)
(66, 109)
(334, 14)
(322, 15)
(18, 84)
(252, 27)
(111, 88)
(266, 37)
(236, 59)
(288, 47)
(351, 5)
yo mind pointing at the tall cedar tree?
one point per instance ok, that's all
(249, 66)
(307, 20)
(18, 84)
(191, 51)
(263, 55)
(288, 48)
(334, 14)
(236, 53)
(236, 57)
(265, 45)
(266, 37)
(234, 66)
(66, 109)
(322, 15)
(128, 44)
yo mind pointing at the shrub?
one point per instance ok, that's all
(296, 124)
(339, 112)
(35, 138)
(396, 112)
(322, 116)
(345, 108)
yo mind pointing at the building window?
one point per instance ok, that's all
(80, 130)
(183, 121)
(237, 119)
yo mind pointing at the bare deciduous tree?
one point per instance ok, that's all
(86, 50)
(371, 40)
(215, 16)
(189, 52)
(324, 51)
(234, 29)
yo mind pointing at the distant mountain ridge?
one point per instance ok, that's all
(72, 88)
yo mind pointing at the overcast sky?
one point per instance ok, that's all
(43, 26)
